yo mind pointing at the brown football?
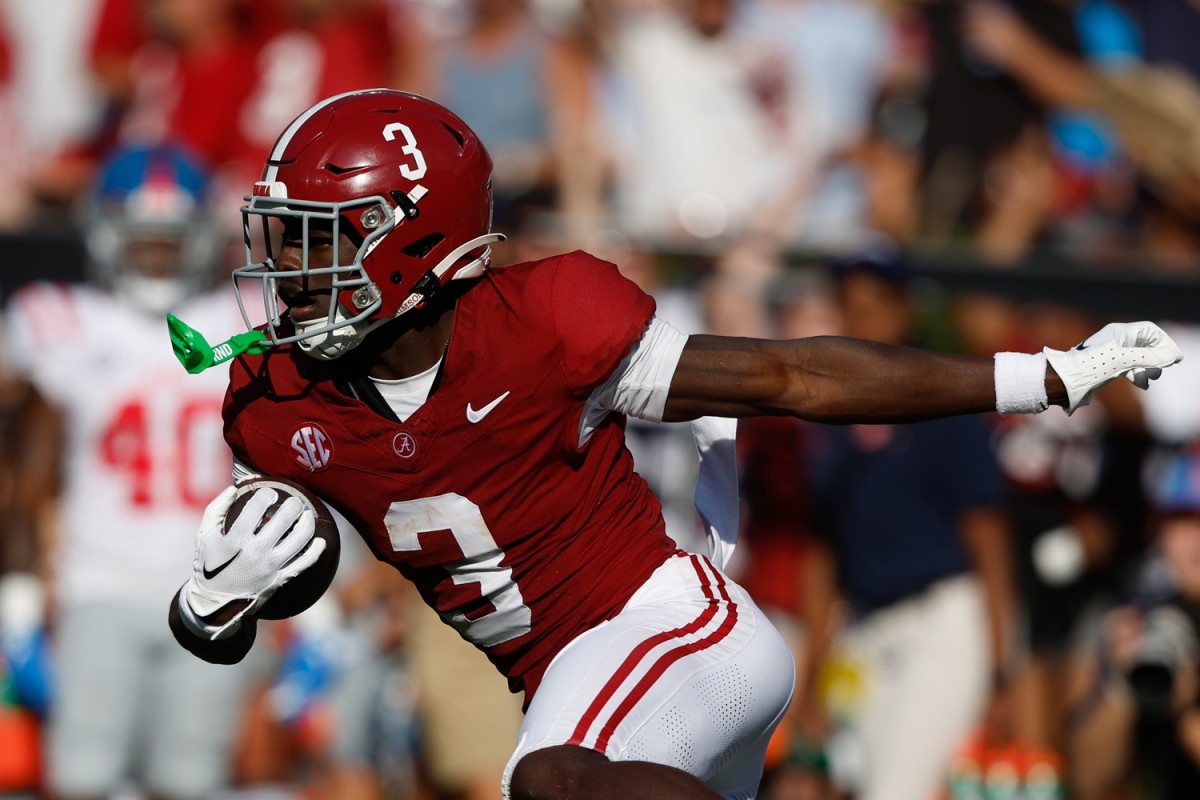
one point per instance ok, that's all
(306, 588)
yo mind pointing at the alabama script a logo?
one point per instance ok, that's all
(312, 447)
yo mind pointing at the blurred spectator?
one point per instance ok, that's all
(988, 165)
(1077, 514)
(50, 103)
(169, 71)
(14, 191)
(469, 719)
(494, 72)
(1173, 416)
(1136, 719)
(913, 527)
(817, 66)
(141, 449)
(692, 143)
(311, 49)
(576, 65)
(186, 78)
(336, 715)
(1154, 105)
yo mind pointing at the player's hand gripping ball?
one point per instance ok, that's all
(299, 592)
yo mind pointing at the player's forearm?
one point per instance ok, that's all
(831, 379)
(846, 380)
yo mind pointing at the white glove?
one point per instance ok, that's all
(250, 562)
(1137, 350)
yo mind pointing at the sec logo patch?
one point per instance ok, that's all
(312, 447)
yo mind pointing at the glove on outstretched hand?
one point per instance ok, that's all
(1137, 350)
(247, 561)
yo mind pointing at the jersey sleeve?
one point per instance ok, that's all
(39, 322)
(598, 315)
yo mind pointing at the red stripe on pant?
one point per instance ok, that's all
(639, 653)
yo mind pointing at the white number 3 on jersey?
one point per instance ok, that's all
(480, 564)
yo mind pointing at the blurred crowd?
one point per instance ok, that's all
(980, 608)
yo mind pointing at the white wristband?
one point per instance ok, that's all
(1021, 383)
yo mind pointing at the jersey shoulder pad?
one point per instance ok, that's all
(599, 314)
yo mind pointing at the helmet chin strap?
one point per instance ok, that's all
(340, 339)
(476, 267)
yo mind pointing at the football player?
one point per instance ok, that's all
(468, 422)
(139, 459)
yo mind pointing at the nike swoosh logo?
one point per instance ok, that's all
(210, 574)
(477, 416)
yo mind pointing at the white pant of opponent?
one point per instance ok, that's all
(690, 674)
(924, 669)
(130, 703)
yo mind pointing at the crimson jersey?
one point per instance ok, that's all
(484, 498)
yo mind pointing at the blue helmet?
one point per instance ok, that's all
(150, 236)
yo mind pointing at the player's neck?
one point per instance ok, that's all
(405, 351)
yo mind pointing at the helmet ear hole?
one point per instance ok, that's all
(422, 247)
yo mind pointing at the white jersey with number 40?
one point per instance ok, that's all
(143, 449)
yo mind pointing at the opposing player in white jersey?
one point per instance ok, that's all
(141, 455)
(468, 421)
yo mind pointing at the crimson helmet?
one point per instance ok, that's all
(402, 177)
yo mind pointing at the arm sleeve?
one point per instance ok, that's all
(17, 342)
(638, 387)
(33, 333)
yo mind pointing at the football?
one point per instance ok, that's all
(306, 588)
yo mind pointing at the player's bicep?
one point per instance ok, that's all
(725, 376)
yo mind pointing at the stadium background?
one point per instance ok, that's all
(732, 156)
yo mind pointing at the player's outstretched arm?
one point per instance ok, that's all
(841, 380)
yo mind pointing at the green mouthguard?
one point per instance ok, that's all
(197, 355)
